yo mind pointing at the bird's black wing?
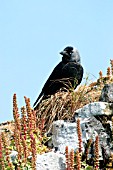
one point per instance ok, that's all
(74, 72)
(62, 74)
(47, 89)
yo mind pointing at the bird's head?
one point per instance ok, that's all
(70, 54)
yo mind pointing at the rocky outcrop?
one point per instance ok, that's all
(95, 119)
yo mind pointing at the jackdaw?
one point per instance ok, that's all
(66, 75)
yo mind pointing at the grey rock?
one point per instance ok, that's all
(50, 161)
(95, 119)
(94, 109)
(91, 127)
(107, 93)
(64, 134)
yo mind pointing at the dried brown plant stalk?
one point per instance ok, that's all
(24, 122)
(34, 151)
(96, 163)
(31, 114)
(72, 159)
(26, 150)
(20, 132)
(18, 145)
(79, 135)
(67, 158)
(108, 72)
(6, 150)
(100, 75)
(16, 113)
(78, 160)
(111, 62)
(2, 161)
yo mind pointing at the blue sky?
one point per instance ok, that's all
(32, 33)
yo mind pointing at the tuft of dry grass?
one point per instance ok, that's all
(63, 105)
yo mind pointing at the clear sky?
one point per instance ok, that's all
(32, 33)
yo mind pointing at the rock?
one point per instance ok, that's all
(98, 116)
(95, 119)
(94, 109)
(50, 161)
(64, 134)
(107, 93)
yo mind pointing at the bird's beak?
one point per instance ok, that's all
(63, 53)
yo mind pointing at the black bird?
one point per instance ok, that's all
(67, 74)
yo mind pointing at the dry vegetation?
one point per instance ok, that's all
(24, 137)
